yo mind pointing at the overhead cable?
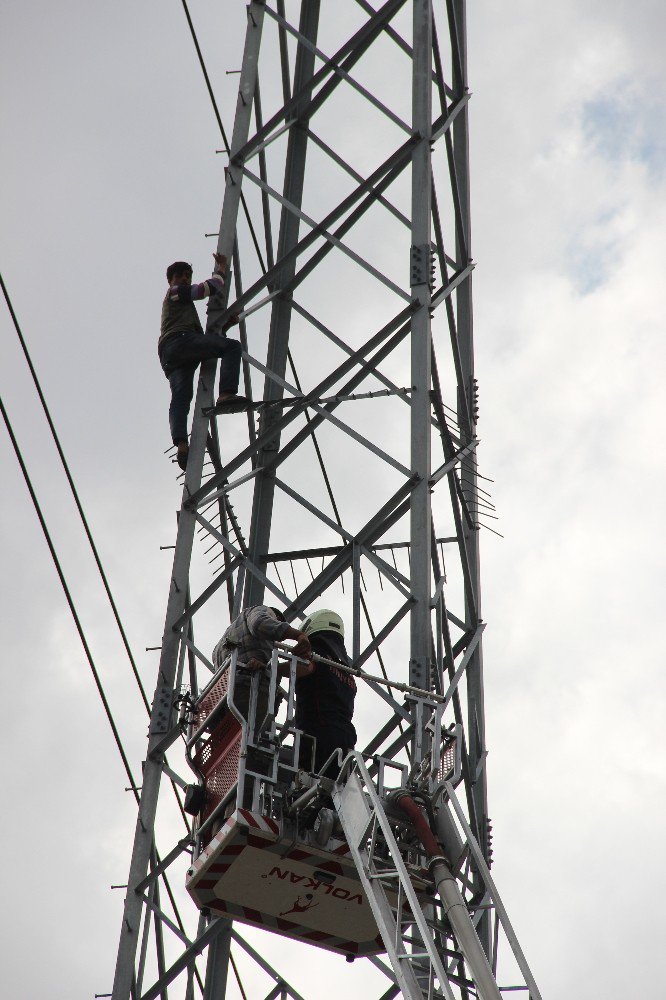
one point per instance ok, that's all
(84, 521)
(221, 126)
(75, 494)
(84, 642)
(72, 608)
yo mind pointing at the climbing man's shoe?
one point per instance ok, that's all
(230, 404)
(182, 456)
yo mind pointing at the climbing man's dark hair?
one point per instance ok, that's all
(176, 267)
(279, 614)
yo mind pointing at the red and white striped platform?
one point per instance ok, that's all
(252, 874)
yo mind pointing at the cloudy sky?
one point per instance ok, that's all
(109, 172)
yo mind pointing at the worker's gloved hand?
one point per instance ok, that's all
(255, 664)
(220, 262)
(303, 647)
(232, 320)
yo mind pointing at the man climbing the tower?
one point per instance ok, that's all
(182, 346)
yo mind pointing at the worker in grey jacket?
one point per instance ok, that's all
(254, 634)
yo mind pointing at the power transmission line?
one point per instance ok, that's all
(84, 520)
(84, 642)
(75, 494)
(70, 601)
(209, 87)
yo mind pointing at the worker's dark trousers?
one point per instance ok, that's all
(180, 356)
(255, 761)
(241, 696)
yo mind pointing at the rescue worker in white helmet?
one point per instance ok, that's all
(325, 697)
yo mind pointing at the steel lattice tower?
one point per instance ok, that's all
(353, 484)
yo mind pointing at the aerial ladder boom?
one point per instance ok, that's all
(423, 963)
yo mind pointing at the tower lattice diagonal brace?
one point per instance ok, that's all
(351, 482)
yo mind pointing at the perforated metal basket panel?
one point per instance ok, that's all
(217, 758)
(448, 760)
(211, 699)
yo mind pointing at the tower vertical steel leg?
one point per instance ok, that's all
(217, 965)
(278, 342)
(466, 416)
(420, 512)
(161, 717)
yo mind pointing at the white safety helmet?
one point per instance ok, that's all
(324, 621)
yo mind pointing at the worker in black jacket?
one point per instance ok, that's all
(325, 697)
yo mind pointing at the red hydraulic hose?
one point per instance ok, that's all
(420, 824)
(453, 903)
